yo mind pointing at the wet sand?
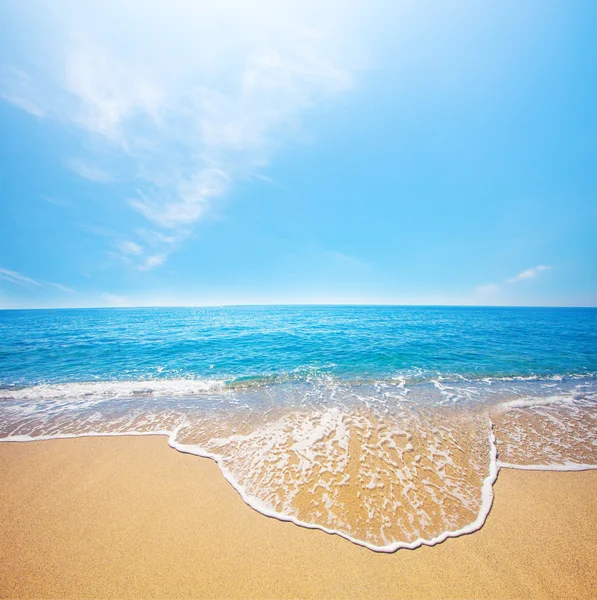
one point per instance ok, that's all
(132, 518)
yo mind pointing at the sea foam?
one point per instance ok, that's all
(112, 389)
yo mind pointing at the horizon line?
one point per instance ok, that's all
(297, 304)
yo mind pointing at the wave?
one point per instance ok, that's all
(189, 386)
(113, 389)
(532, 402)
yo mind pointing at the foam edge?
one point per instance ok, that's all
(567, 466)
(256, 504)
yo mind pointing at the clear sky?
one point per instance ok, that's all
(194, 152)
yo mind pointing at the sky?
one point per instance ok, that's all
(260, 152)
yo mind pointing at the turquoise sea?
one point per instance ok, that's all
(386, 425)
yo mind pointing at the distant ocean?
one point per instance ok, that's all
(386, 425)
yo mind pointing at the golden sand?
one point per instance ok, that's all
(130, 517)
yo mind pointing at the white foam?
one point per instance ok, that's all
(535, 401)
(257, 504)
(566, 466)
(114, 389)
(552, 433)
(70, 436)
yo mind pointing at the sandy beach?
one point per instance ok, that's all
(128, 517)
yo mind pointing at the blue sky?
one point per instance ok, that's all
(182, 153)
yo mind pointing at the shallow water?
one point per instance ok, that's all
(386, 425)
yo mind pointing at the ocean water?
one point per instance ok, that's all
(385, 425)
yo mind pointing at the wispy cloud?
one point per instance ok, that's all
(62, 288)
(492, 288)
(97, 230)
(346, 258)
(18, 88)
(155, 238)
(197, 107)
(89, 171)
(152, 262)
(268, 180)
(130, 248)
(528, 274)
(19, 279)
(56, 201)
(186, 204)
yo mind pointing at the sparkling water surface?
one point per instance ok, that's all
(41, 346)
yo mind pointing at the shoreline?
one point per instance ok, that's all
(124, 516)
(485, 508)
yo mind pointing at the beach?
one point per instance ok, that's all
(298, 300)
(126, 517)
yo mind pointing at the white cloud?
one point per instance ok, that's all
(56, 201)
(19, 279)
(193, 94)
(17, 88)
(97, 230)
(152, 262)
(493, 288)
(528, 274)
(89, 171)
(109, 87)
(187, 204)
(160, 237)
(346, 258)
(130, 248)
(62, 288)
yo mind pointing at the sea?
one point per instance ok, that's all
(386, 425)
